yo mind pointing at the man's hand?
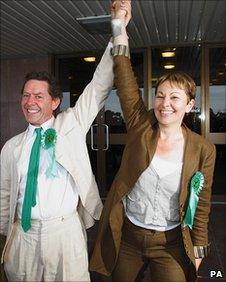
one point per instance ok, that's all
(121, 9)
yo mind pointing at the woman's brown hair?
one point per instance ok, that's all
(180, 79)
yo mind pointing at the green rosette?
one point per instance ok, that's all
(196, 186)
(48, 142)
(49, 138)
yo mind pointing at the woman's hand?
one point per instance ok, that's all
(121, 9)
(197, 263)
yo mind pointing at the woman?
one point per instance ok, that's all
(157, 210)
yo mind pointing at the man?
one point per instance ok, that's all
(48, 193)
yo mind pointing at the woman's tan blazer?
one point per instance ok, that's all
(142, 128)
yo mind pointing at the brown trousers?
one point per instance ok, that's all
(163, 252)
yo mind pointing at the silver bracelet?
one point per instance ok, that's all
(201, 251)
(120, 50)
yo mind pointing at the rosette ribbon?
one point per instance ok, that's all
(196, 186)
(48, 143)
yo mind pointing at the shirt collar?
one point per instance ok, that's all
(48, 124)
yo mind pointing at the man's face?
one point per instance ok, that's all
(37, 104)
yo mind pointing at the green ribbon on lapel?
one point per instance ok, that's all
(48, 142)
(196, 186)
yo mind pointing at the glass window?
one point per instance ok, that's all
(74, 75)
(217, 89)
(188, 60)
(219, 181)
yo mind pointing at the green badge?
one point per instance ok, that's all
(196, 186)
(49, 138)
(197, 182)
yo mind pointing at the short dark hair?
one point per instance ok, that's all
(53, 89)
(182, 80)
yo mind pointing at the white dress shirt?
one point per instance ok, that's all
(56, 196)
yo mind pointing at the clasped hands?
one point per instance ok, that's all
(121, 9)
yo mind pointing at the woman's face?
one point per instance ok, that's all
(171, 103)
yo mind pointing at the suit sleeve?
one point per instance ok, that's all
(199, 233)
(96, 92)
(133, 107)
(5, 189)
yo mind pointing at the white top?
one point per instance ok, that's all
(56, 196)
(153, 202)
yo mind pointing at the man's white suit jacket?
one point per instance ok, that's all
(72, 126)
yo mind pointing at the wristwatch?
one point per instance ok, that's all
(120, 50)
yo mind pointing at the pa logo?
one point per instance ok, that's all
(216, 274)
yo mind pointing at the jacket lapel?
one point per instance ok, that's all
(190, 162)
(63, 127)
(152, 136)
(151, 141)
(19, 152)
(62, 154)
(142, 160)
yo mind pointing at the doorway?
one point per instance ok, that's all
(107, 135)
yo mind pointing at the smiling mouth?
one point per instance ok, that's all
(32, 111)
(166, 113)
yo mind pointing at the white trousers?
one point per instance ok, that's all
(52, 250)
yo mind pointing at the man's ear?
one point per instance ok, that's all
(55, 103)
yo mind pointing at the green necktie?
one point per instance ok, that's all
(31, 184)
